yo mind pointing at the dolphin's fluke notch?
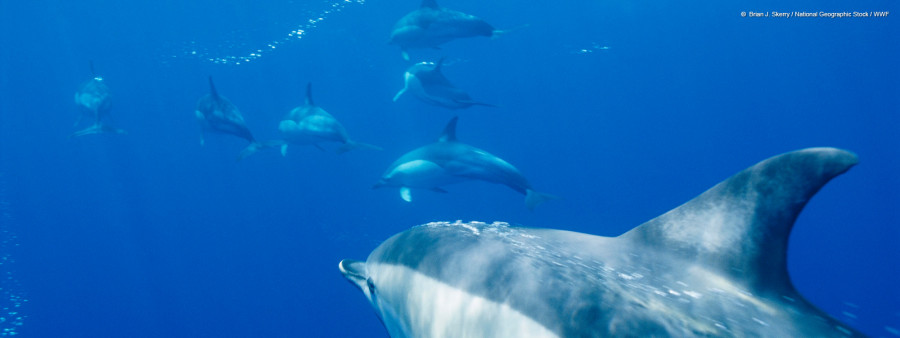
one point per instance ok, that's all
(741, 226)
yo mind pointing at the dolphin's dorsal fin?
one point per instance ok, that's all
(449, 134)
(91, 64)
(430, 4)
(437, 66)
(212, 88)
(309, 100)
(740, 227)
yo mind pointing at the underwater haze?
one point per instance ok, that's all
(623, 109)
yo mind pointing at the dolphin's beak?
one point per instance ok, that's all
(355, 272)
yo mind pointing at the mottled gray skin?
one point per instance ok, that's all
(427, 82)
(431, 26)
(714, 266)
(311, 125)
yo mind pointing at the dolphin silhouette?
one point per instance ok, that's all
(310, 125)
(450, 161)
(93, 99)
(426, 81)
(714, 266)
(216, 114)
(431, 26)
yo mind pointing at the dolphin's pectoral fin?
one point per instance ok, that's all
(404, 54)
(397, 97)
(284, 149)
(406, 194)
(741, 225)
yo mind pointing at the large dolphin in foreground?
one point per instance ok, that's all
(93, 100)
(216, 114)
(310, 125)
(450, 161)
(431, 26)
(715, 266)
(426, 81)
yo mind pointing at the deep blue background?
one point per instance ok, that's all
(149, 234)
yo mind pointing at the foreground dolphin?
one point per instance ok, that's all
(93, 100)
(715, 266)
(216, 114)
(449, 161)
(310, 125)
(426, 81)
(431, 26)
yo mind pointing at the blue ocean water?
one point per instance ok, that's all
(624, 109)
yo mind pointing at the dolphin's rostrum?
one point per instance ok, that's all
(714, 266)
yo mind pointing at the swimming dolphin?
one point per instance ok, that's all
(93, 100)
(450, 161)
(431, 26)
(715, 266)
(311, 125)
(426, 81)
(216, 114)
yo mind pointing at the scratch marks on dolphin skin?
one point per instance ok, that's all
(252, 53)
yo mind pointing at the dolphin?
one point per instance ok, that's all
(714, 266)
(216, 114)
(450, 161)
(426, 81)
(311, 125)
(93, 100)
(431, 26)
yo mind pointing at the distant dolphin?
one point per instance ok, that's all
(450, 161)
(431, 26)
(310, 125)
(93, 100)
(426, 81)
(713, 267)
(216, 114)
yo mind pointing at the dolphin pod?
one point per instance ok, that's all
(714, 266)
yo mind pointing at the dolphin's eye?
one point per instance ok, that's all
(371, 286)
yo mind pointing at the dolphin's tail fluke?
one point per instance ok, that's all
(98, 128)
(533, 198)
(351, 145)
(255, 146)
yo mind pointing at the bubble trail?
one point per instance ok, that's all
(11, 293)
(194, 50)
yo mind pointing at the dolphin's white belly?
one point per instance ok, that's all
(422, 174)
(415, 305)
(311, 130)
